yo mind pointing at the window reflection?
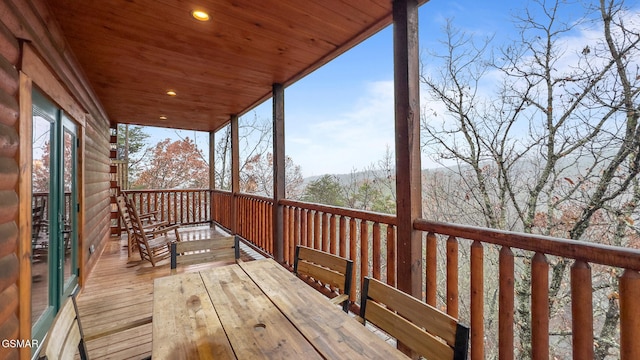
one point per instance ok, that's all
(40, 215)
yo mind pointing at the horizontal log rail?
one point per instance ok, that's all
(573, 249)
(176, 206)
(578, 257)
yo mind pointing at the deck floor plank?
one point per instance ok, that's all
(120, 290)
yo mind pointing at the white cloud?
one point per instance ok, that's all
(352, 139)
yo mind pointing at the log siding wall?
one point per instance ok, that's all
(9, 201)
(55, 72)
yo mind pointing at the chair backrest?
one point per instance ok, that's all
(37, 219)
(121, 200)
(201, 251)
(65, 335)
(328, 269)
(421, 327)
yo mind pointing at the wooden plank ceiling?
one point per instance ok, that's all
(134, 51)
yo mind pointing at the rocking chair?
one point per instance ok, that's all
(154, 244)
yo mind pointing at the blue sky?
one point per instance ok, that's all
(340, 117)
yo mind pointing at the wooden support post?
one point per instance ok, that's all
(407, 130)
(278, 172)
(212, 173)
(235, 173)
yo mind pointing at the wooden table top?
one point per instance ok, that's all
(256, 309)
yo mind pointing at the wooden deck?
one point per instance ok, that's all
(120, 292)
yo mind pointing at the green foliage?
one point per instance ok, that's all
(136, 141)
(326, 190)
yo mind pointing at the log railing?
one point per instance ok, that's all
(255, 220)
(178, 206)
(367, 238)
(221, 202)
(534, 252)
(480, 257)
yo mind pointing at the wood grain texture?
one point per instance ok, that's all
(8, 109)
(8, 173)
(9, 330)
(9, 46)
(9, 273)
(8, 238)
(254, 325)
(8, 303)
(332, 332)
(8, 76)
(132, 55)
(186, 325)
(8, 141)
(36, 68)
(25, 221)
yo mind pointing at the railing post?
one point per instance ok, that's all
(582, 310)
(452, 276)
(540, 307)
(477, 301)
(431, 269)
(629, 315)
(506, 304)
(391, 255)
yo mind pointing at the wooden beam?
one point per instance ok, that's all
(212, 172)
(235, 172)
(278, 172)
(407, 130)
(212, 159)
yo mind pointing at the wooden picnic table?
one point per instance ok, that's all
(252, 310)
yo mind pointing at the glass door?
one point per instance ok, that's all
(69, 207)
(54, 257)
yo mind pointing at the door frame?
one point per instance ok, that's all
(58, 286)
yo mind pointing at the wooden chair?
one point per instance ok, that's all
(200, 251)
(324, 269)
(421, 327)
(37, 220)
(153, 243)
(65, 336)
(149, 221)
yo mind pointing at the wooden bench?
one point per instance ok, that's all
(417, 325)
(332, 273)
(201, 251)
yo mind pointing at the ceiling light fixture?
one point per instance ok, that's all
(162, 117)
(200, 15)
(171, 93)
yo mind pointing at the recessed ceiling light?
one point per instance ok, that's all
(200, 15)
(162, 117)
(171, 93)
